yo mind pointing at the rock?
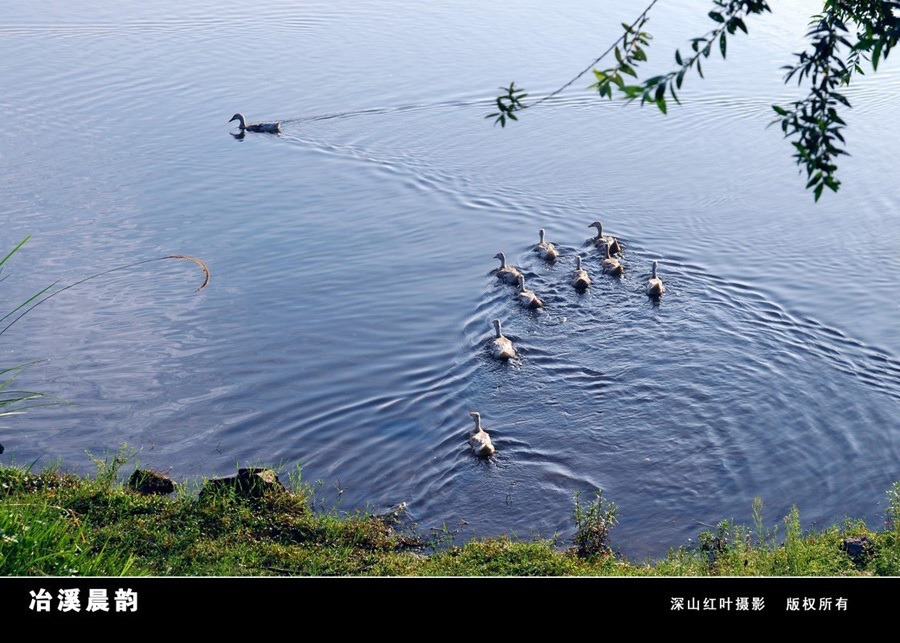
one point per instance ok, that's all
(859, 549)
(148, 481)
(249, 481)
(393, 515)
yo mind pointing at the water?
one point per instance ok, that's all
(345, 326)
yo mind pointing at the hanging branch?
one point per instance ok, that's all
(729, 17)
(510, 102)
(814, 121)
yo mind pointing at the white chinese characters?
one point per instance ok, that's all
(69, 600)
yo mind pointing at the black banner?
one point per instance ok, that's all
(112, 601)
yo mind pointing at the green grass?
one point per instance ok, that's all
(13, 402)
(60, 524)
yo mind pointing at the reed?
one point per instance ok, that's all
(15, 402)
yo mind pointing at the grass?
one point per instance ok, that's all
(60, 524)
(14, 402)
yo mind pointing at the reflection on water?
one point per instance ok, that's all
(347, 324)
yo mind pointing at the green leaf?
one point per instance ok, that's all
(626, 69)
(661, 103)
(818, 191)
(618, 55)
(660, 92)
(841, 98)
(876, 54)
(674, 95)
(13, 251)
(722, 44)
(715, 15)
(699, 68)
(779, 110)
(679, 78)
(639, 54)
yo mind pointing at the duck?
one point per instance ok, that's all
(273, 127)
(611, 265)
(546, 249)
(501, 347)
(580, 277)
(479, 439)
(611, 242)
(655, 286)
(507, 273)
(527, 297)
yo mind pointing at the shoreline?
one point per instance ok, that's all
(254, 524)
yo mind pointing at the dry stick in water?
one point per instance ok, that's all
(196, 260)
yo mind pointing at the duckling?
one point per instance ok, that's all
(611, 265)
(509, 274)
(479, 440)
(273, 128)
(546, 249)
(600, 241)
(527, 297)
(580, 279)
(501, 347)
(655, 286)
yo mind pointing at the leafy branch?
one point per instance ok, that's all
(729, 17)
(834, 56)
(828, 66)
(627, 59)
(510, 102)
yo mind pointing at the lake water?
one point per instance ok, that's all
(345, 325)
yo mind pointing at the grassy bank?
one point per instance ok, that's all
(60, 524)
